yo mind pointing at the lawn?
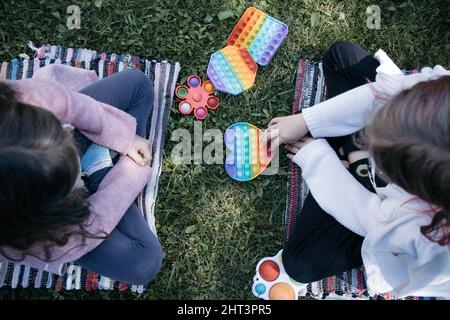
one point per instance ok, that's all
(213, 229)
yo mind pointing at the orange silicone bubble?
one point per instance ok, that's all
(208, 86)
(281, 291)
(269, 270)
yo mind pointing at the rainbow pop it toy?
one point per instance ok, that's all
(196, 96)
(271, 281)
(246, 157)
(232, 70)
(261, 34)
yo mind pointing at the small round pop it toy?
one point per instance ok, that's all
(196, 97)
(271, 281)
(246, 157)
(232, 70)
(261, 34)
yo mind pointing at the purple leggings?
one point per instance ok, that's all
(131, 253)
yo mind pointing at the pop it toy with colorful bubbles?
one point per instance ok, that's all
(197, 97)
(271, 281)
(232, 70)
(261, 34)
(247, 157)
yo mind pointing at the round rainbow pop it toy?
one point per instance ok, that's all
(261, 34)
(246, 157)
(197, 97)
(271, 281)
(232, 70)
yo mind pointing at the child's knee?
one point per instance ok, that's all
(341, 46)
(138, 79)
(297, 266)
(150, 261)
(337, 49)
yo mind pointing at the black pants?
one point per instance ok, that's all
(319, 245)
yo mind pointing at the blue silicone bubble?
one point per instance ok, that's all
(260, 288)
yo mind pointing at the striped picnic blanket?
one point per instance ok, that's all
(164, 75)
(310, 89)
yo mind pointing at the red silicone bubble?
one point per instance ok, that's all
(213, 102)
(269, 270)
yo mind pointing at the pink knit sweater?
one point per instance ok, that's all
(55, 88)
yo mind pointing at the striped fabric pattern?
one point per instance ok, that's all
(310, 89)
(164, 75)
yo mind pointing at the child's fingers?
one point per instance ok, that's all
(290, 156)
(273, 121)
(146, 155)
(298, 144)
(306, 139)
(136, 156)
(292, 148)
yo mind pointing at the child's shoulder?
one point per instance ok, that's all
(397, 203)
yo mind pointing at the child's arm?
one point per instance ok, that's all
(341, 115)
(349, 111)
(398, 258)
(338, 116)
(101, 123)
(126, 180)
(336, 191)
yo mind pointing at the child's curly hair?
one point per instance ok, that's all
(409, 140)
(38, 168)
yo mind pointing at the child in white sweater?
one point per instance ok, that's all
(390, 213)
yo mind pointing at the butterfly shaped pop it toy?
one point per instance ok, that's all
(197, 97)
(271, 281)
(232, 70)
(247, 157)
(261, 34)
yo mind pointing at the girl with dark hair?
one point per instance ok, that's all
(49, 215)
(390, 213)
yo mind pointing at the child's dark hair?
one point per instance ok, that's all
(38, 168)
(409, 139)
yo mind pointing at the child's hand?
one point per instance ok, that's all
(140, 151)
(293, 148)
(289, 129)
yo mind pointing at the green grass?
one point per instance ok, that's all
(235, 224)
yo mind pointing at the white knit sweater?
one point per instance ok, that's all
(396, 256)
